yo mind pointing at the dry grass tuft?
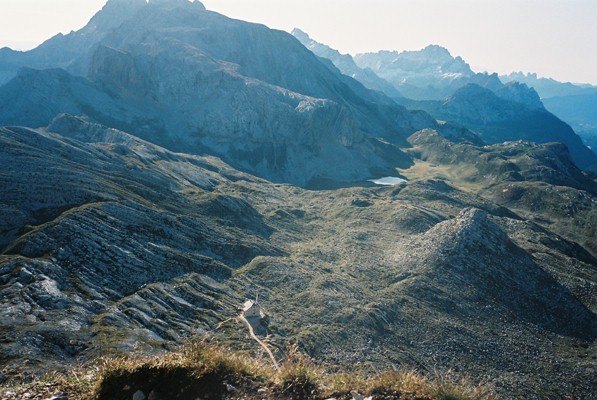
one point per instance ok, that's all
(224, 361)
(298, 376)
(345, 382)
(399, 382)
(215, 365)
(445, 387)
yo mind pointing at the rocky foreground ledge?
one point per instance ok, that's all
(205, 371)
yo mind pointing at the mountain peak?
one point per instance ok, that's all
(436, 50)
(346, 64)
(114, 13)
(434, 55)
(123, 3)
(123, 6)
(195, 3)
(300, 35)
(472, 89)
(429, 73)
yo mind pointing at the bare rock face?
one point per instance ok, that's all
(260, 127)
(113, 14)
(79, 243)
(71, 51)
(346, 65)
(195, 81)
(497, 120)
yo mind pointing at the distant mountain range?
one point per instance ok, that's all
(346, 65)
(433, 80)
(498, 120)
(547, 87)
(434, 74)
(151, 69)
(573, 103)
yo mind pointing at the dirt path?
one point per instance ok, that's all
(265, 347)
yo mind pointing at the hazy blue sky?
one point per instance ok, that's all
(556, 38)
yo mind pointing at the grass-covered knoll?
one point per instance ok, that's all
(203, 370)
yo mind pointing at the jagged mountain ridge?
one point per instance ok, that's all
(346, 65)
(71, 51)
(497, 120)
(443, 75)
(548, 87)
(224, 63)
(111, 241)
(433, 73)
(144, 111)
(414, 70)
(574, 104)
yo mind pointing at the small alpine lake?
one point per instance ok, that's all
(388, 181)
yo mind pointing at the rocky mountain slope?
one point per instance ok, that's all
(497, 120)
(580, 111)
(574, 104)
(110, 243)
(498, 112)
(88, 228)
(539, 181)
(173, 72)
(346, 65)
(71, 51)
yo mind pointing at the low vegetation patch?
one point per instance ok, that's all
(208, 371)
(298, 377)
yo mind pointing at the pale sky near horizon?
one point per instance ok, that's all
(554, 38)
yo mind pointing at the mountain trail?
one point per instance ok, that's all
(262, 344)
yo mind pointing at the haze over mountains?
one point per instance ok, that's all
(445, 86)
(575, 104)
(157, 172)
